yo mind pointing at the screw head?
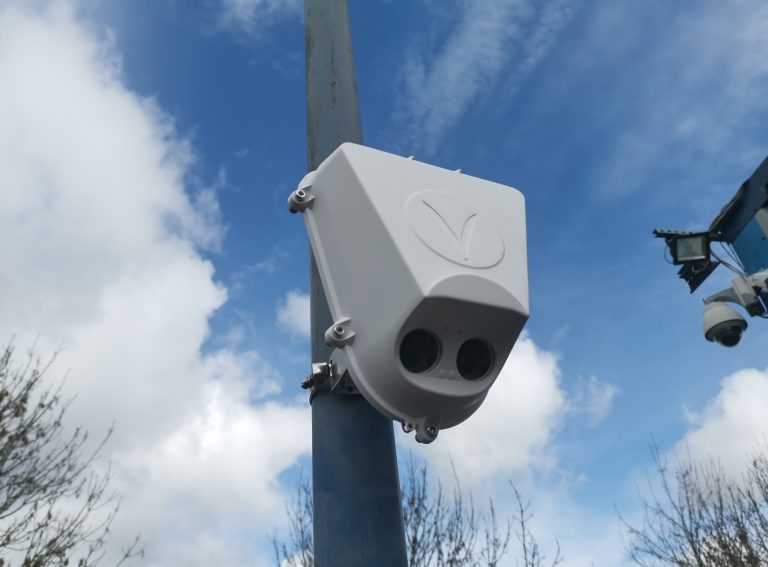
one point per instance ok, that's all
(338, 331)
(301, 195)
(432, 430)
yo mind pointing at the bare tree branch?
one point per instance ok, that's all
(702, 517)
(48, 496)
(298, 551)
(531, 554)
(441, 530)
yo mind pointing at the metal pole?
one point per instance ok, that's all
(357, 514)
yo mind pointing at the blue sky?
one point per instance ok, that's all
(146, 152)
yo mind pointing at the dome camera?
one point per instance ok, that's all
(722, 324)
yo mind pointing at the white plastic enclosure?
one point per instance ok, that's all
(425, 272)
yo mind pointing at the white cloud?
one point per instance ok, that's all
(100, 256)
(293, 314)
(214, 478)
(269, 266)
(539, 39)
(475, 55)
(593, 399)
(734, 424)
(712, 112)
(512, 428)
(254, 15)
(512, 435)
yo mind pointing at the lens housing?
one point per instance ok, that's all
(727, 334)
(474, 359)
(419, 351)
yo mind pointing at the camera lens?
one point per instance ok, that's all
(730, 337)
(419, 351)
(474, 359)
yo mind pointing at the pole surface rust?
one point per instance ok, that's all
(358, 518)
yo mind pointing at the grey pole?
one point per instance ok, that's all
(357, 514)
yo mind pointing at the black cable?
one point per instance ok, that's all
(732, 253)
(667, 256)
(728, 264)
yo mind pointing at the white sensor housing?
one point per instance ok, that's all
(425, 272)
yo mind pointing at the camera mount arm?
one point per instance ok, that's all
(745, 291)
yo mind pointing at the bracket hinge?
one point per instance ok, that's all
(302, 197)
(341, 381)
(340, 334)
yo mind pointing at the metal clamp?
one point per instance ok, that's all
(341, 381)
(321, 372)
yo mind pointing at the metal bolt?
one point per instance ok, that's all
(432, 430)
(300, 195)
(338, 330)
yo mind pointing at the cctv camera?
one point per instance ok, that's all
(723, 324)
(425, 272)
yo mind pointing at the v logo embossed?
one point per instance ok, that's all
(463, 240)
(455, 229)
